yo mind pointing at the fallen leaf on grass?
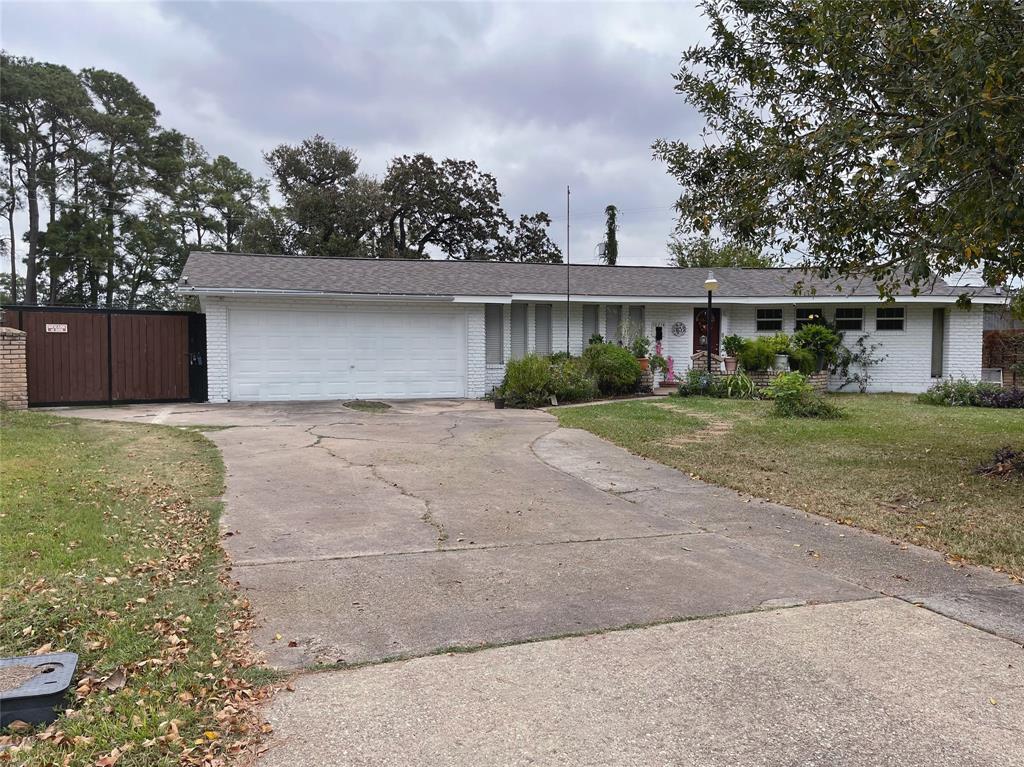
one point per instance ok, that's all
(115, 681)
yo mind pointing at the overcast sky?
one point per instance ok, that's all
(541, 94)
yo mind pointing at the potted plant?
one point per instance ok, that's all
(641, 347)
(732, 345)
(498, 395)
(780, 345)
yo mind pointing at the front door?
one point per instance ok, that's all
(700, 329)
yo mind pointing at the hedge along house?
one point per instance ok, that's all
(292, 328)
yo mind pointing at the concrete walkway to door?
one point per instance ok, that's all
(437, 527)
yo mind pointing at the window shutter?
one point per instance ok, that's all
(518, 322)
(494, 332)
(542, 315)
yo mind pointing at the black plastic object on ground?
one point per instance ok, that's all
(34, 699)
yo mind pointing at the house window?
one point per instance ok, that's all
(889, 318)
(849, 318)
(543, 329)
(494, 333)
(589, 322)
(805, 315)
(517, 323)
(769, 320)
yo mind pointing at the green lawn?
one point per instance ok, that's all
(109, 548)
(893, 465)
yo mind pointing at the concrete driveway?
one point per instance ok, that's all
(438, 527)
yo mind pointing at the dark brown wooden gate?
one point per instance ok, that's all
(99, 356)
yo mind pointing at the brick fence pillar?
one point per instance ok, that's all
(13, 369)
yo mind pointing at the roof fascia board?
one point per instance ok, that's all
(768, 300)
(256, 292)
(583, 299)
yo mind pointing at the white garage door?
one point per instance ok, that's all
(346, 353)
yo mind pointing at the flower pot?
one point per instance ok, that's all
(821, 361)
(499, 404)
(781, 362)
(730, 364)
(645, 363)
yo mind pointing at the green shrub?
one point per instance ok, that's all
(614, 369)
(570, 382)
(961, 393)
(821, 340)
(803, 360)
(699, 382)
(794, 398)
(758, 354)
(528, 382)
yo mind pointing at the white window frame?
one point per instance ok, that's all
(902, 318)
(859, 318)
(758, 319)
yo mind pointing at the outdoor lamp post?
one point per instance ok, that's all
(710, 285)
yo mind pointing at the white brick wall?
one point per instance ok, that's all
(216, 312)
(965, 331)
(908, 353)
(679, 348)
(476, 352)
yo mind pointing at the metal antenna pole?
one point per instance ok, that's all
(567, 193)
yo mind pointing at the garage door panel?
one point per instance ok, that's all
(346, 353)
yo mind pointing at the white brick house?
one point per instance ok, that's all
(287, 328)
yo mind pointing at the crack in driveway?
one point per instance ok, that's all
(427, 517)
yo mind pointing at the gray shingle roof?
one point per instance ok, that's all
(241, 271)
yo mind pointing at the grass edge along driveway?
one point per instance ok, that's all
(109, 547)
(892, 466)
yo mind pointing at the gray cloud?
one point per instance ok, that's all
(541, 95)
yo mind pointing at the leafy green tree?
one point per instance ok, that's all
(270, 231)
(34, 100)
(527, 241)
(236, 196)
(315, 178)
(449, 205)
(126, 136)
(10, 203)
(881, 137)
(707, 252)
(190, 191)
(611, 240)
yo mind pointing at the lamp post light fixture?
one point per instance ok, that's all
(710, 285)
